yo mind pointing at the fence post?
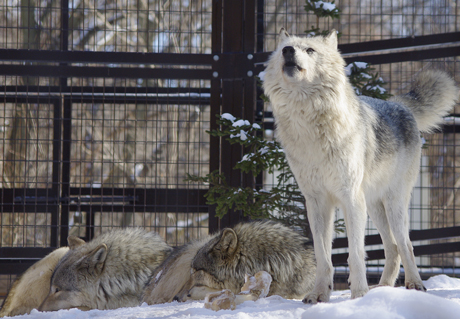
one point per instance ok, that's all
(232, 89)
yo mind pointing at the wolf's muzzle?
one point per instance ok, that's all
(290, 64)
(288, 52)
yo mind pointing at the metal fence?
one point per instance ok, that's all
(105, 107)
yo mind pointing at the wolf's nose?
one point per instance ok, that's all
(176, 298)
(288, 51)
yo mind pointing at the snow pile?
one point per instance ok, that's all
(441, 301)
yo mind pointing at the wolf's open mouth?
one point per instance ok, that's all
(290, 64)
(289, 67)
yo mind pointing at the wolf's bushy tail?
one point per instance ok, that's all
(432, 96)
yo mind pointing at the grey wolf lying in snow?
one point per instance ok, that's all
(222, 260)
(30, 289)
(110, 271)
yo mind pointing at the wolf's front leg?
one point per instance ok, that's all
(355, 221)
(320, 214)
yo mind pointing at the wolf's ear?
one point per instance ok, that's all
(74, 242)
(331, 39)
(227, 243)
(283, 35)
(95, 259)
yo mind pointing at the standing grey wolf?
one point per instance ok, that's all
(358, 153)
(30, 289)
(108, 272)
(224, 260)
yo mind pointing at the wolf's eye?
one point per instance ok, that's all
(309, 50)
(56, 290)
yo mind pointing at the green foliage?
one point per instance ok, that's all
(263, 97)
(262, 156)
(322, 9)
(317, 31)
(365, 82)
(253, 203)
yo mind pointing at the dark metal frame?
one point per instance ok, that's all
(380, 52)
(415, 235)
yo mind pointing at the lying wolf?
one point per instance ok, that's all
(359, 153)
(30, 289)
(222, 260)
(109, 272)
(170, 277)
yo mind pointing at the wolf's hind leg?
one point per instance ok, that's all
(392, 259)
(320, 214)
(397, 213)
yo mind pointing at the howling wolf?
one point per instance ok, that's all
(358, 153)
(109, 272)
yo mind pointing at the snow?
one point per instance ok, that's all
(247, 157)
(242, 135)
(359, 65)
(326, 5)
(264, 150)
(262, 76)
(376, 88)
(241, 123)
(228, 116)
(441, 301)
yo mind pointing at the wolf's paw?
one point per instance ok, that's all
(258, 285)
(358, 293)
(315, 297)
(254, 287)
(415, 285)
(216, 301)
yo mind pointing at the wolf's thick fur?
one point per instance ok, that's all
(109, 272)
(224, 260)
(358, 153)
(30, 289)
(171, 276)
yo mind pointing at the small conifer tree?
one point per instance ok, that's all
(321, 9)
(366, 82)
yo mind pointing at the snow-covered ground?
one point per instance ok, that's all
(442, 301)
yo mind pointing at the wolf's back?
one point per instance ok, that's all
(432, 96)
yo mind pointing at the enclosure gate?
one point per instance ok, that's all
(230, 90)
